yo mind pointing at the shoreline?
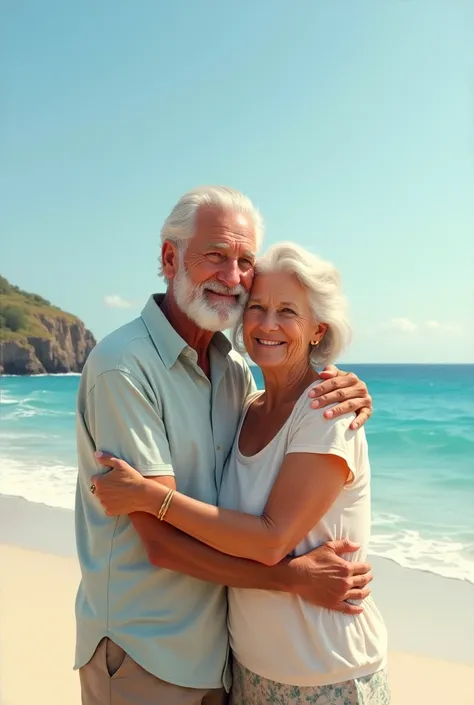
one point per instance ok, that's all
(440, 607)
(373, 555)
(430, 619)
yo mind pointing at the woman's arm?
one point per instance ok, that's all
(306, 487)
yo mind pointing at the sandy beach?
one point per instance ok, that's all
(430, 619)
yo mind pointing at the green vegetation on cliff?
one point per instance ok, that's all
(21, 313)
(37, 337)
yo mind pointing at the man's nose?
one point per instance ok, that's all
(230, 274)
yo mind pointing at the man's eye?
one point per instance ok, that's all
(246, 263)
(254, 307)
(216, 255)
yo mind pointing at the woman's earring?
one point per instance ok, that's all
(315, 343)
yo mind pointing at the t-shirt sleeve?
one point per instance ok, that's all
(124, 418)
(311, 432)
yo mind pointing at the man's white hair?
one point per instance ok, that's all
(179, 225)
(323, 284)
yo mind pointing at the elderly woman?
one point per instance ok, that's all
(293, 481)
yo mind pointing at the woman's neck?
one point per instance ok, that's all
(285, 385)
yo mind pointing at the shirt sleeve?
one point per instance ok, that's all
(124, 418)
(311, 432)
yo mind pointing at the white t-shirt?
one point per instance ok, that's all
(277, 635)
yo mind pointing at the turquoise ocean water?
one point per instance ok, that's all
(421, 439)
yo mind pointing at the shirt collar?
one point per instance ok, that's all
(167, 341)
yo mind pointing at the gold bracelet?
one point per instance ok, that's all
(165, 504)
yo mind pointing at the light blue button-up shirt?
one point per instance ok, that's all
(143, 398)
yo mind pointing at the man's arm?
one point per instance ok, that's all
(321, 577)
(170, 548)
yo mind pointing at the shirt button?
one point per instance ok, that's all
(218, 447)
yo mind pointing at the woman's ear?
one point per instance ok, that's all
(319, 333)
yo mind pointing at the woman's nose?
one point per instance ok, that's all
(268, 322)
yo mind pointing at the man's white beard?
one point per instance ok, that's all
(212, 316)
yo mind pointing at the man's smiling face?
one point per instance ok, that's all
(213, 276)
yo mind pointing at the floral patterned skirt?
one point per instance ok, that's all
(250, 689)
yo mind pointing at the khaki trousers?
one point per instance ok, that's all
(112, 677)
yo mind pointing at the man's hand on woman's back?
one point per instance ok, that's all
(325, 579)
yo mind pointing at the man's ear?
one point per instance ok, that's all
(169, 259)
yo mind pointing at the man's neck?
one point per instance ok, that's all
(197, 338)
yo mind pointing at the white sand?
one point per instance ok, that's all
(430, 619)
(37, 628)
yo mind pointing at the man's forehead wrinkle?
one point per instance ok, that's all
(223, 231)
(226, 246)
(218, 245)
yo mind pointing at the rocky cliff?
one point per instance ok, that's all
(38, 338)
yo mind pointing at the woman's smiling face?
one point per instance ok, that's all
(278, 324)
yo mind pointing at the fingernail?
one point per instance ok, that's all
(315, 404)
(355, 425)
(329, 414)
(98, 454)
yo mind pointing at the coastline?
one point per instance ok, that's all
(422, 494)
(430, 619)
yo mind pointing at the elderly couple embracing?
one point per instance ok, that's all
(222, 531)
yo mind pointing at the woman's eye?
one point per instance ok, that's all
(254, 307)
(288, 310)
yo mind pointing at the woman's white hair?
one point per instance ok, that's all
(179, 225)
(323, 284)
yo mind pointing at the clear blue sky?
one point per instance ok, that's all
(349, 123)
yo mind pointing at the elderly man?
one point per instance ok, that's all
(165, 393)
